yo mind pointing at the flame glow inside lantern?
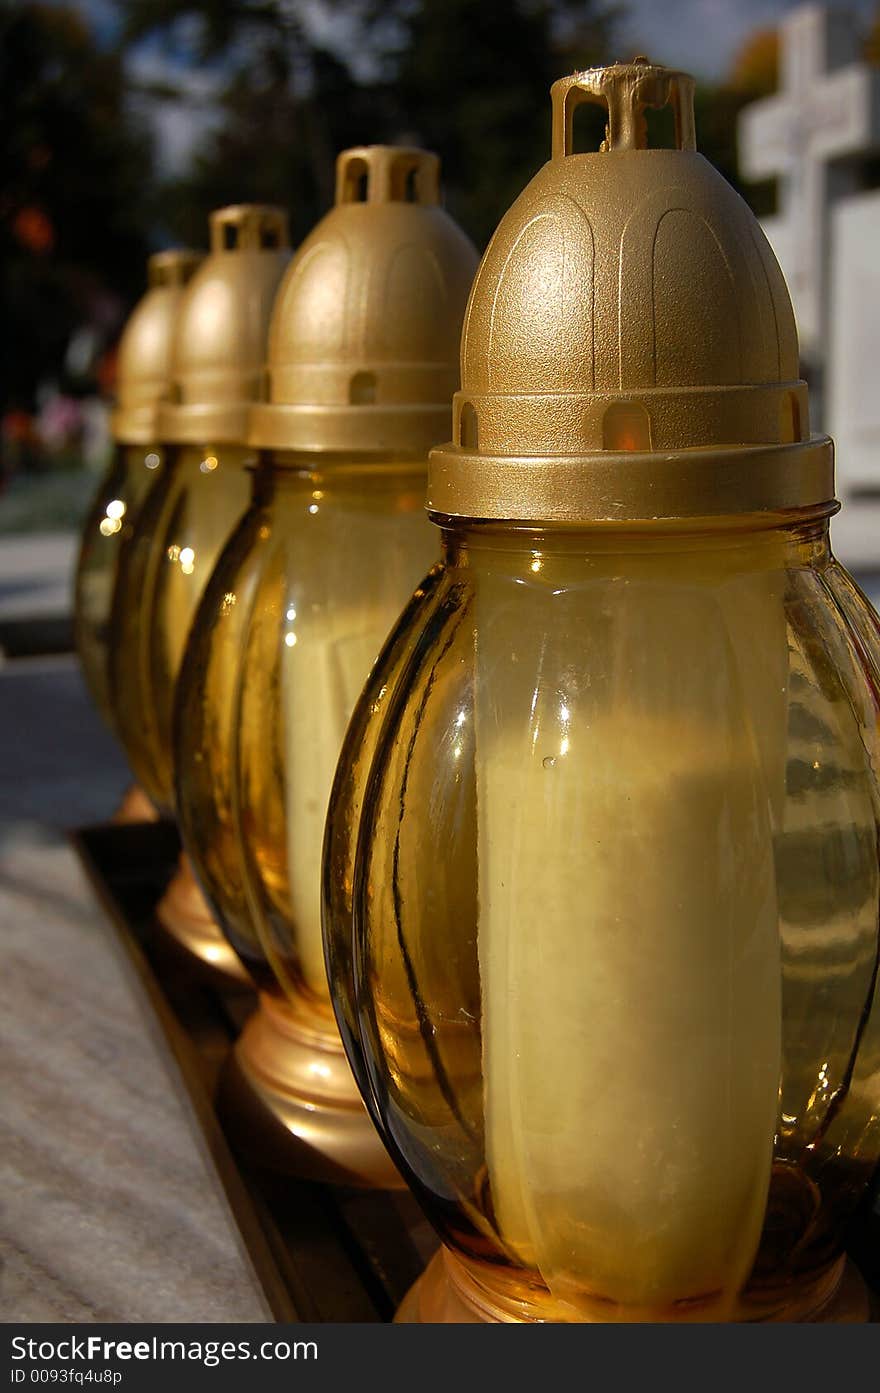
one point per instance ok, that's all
(203, 486)
(144, 373)
(363, 358)
(601, 869)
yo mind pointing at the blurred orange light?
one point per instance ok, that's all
(34, 230)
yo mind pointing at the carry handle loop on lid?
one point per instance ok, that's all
(626, 90)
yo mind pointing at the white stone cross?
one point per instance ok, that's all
(810, 134)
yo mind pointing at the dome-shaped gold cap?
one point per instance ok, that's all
(143, 367)
(629, 349)
(220, 339)
(363, 348)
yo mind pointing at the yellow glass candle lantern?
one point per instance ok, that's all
(601, 870)
(201, 492)
(363, 354)
(143, 373)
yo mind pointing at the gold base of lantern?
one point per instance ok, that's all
(288, 1099)
(450, 1292)
(186, 920)
(135, 807)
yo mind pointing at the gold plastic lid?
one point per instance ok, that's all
(629, 350)
(220, 338)
(363, 347)
(144, 357)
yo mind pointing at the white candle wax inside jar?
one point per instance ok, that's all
(353, 558)
(324, 671)
(630, 742)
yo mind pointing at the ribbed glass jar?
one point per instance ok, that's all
(290, 625)
(187, 517)
(600, 900)
(108, 526)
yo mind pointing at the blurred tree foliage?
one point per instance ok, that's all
(753, 74)
(74, 174)
(471, 81)
(288, 104)
(467, 79)
(755, 68)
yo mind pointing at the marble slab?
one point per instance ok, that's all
(109, 1207)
